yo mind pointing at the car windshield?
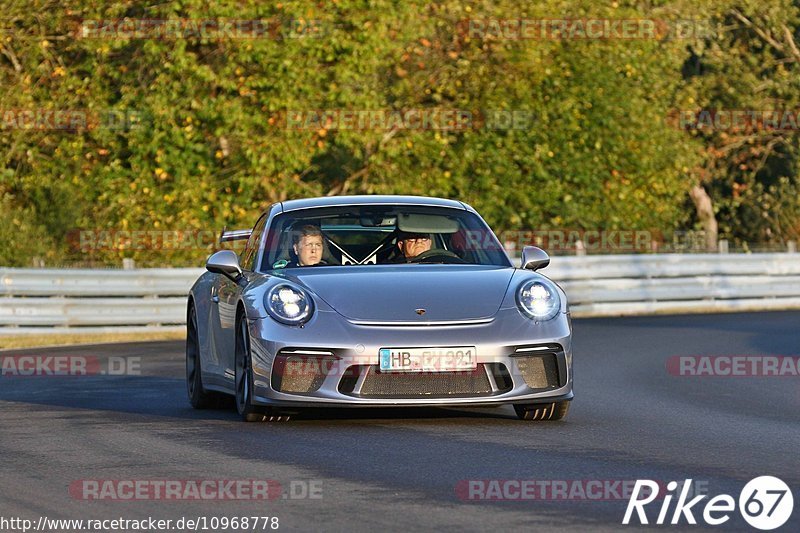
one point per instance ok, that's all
(379, 235)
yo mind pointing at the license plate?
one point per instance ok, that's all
(428, 359)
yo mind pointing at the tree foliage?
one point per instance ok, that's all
(201, 137)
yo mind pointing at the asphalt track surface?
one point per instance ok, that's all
(397, 470)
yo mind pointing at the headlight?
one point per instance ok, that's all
(539, 300)
(288, 304)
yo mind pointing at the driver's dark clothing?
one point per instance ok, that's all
(399, 258)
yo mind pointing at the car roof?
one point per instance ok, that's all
(332, 201)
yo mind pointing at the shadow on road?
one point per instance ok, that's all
(166, 397)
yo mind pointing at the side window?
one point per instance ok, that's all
(250, 252)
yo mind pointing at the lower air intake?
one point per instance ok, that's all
(539, 371)
(299, 374)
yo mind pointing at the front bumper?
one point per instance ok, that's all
(353, 349)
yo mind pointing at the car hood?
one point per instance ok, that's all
(394, 293)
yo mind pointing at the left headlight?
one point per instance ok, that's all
(288, 304)
(539, 300)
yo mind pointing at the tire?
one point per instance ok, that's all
(244, 375)
(542, 411)
(198, 396)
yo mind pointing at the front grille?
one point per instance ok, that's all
(378, 384)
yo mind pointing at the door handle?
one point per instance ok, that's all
(214, 295)
(215, 299)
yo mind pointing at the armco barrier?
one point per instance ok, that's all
(41, 300)
(677, 283)
(93, 301)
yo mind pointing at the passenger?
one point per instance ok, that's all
(308, 245)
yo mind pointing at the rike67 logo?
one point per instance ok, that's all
(765, 503)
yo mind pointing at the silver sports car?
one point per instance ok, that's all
(376, 301)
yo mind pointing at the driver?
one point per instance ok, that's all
(411, 245)
(308, 247)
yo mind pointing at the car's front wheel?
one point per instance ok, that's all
(244, 376)
(542, 411)
(244, 382)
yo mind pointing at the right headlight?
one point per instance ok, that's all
(289, 304)
(538, 299)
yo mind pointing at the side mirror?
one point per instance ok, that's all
(534, 258)
(225, 262)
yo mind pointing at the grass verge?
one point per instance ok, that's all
(67, 339)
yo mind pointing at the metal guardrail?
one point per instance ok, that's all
(154, 282)
(93, 300)
(36, 300)
(679, 283)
